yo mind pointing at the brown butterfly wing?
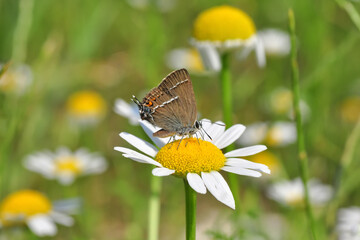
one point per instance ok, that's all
(173, 102)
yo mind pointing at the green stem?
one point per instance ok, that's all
(226, 93)
(190, 197)
(22, 30)
(303, 159)
(351, 11)
(154, 207)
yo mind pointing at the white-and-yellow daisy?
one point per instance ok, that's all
(291, 193)
(15, 79)
(86, 107)
(32, 208)
(127, 110)
(65, 165)
(276, 42)
(348, 223)
(197, 160)
(277, 134)
(188, 58)
(225, 28)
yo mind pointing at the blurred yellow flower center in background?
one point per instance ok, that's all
(23, 203)
(70, 164)
(8, 82)
(223, 23)
(195, 60)
(268, 159)
(350, 109)
(191, 157)
(86, 103)
(281, 101)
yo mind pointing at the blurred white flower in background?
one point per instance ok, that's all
(64, 165)
(127, 110)
(32, 208)
(348, 223)
(277, 134)
(15, 79)
(162, 5)
(188, 58)
(276, 42)
(291, 193)
(281, 102)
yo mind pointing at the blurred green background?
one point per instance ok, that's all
(119, 50)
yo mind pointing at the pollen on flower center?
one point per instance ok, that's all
(191, 156)
(68, 164)
(223, 23)
(23, 203)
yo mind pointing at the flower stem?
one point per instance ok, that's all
(226, 93)
(190, 198)
(22, 30)
(303, 159)
(351, 11)
(154, 207)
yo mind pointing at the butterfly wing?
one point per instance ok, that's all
(172, 103)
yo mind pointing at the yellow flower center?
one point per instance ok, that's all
(350, 109)
(195, 60)
(223, 23)
(86, 104)
(191, 156)
(281, 101)
(23, 203)
(68, 164)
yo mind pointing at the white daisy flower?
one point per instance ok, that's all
(348, 223)
(33, 209)
(276, 42)
(197, 160)
(281, 134)
(64, 165)
(277, 134)
(225, 28)
(185, 58)
(86, 107)
(15, 79)
(254, 134)
(291, 193)
(129, 111)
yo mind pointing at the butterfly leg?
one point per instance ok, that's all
(180, 141)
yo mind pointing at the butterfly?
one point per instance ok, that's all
(171, 106)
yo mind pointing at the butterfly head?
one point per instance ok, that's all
(144, 111)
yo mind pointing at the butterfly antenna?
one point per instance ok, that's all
(135, 100)
(206, 133)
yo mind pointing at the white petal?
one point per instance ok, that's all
(210, 57)
(149, 130)
(242, 171)
(137, 156)
(161, 172)
(40, 164)
(66, 177)
(196, 182)
(140, 144)
(62, 219)
(42, 225)
(69, 205)
(247, 151)
(229, 136)
(215, 130)
(260, 52)
(127, 110)
(242, 163)
(216, 184)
